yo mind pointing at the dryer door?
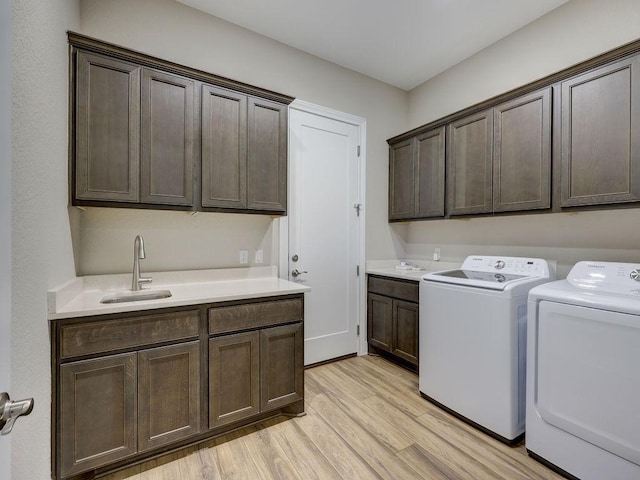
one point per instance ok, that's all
(586, 375)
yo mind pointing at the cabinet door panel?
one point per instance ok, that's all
(98, 412)
(234, 378)
(282, 366)
(168, 394)
(267, 156)
(522, 153)
(379, 321)
(469, 164)
(224, 148)
(401, 181)
(167, 139)
(600, 135)
(405, 330)
(429, 176)
(107, 129)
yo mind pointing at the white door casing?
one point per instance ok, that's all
(323, 228)
(5, 219)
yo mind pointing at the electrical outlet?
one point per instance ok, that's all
(244, 257)
(259, 257)
(436, 255)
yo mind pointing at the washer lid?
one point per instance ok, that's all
(604, 285)
(494, 281)
(495, 273)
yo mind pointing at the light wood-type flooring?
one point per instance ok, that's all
(365, 420)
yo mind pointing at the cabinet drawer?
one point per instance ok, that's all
(108, 335)
(254, 315)
(403, 290)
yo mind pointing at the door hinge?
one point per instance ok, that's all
(358, 270)
(358, 150)
(358, 330)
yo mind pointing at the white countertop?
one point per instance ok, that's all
(81, 296)
(387, 268)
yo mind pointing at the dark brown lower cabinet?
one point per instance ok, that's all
(405, 330)
(97, 412)
(393, 319)
(281, 355)
(380, 321)
(234, 377)
(127, 388)
(255, 372)
(115, 406)
(168, 394)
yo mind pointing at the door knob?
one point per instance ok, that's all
(296, 273)
(10, 411)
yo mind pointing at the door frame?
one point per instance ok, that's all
(283, 222)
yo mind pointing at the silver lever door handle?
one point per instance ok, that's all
(10, 411)
(296, 273)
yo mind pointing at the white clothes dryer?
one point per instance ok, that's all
(583, 372)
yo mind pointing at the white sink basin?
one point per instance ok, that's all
(123, 297)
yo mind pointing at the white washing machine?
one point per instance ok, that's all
(583, 372)
(473, 340)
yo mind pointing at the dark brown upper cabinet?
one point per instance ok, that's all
(267, 156)
(522, 153)
(107, 132)
(167, 148)
(148, 133)
(416, 176)
(244, 152)
(500, 159)
(601, 135)
(134, 133)
(401, 180)
(469, 164)
(569, 140)
(497, 160)
(224, 148)
(429, 177)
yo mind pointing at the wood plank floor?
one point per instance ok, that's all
(365, 420)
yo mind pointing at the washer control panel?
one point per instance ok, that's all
(530, 267)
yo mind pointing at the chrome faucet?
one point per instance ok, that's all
(138, 253)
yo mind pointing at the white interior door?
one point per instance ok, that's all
(325, 228)
(5, 218)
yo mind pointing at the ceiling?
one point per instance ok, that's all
(399, 42)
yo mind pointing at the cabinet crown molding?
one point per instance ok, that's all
(77, 40)
(626, 50)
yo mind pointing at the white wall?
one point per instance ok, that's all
(576, 31)
(173, 31)
(41, 241)
(5, 219)
(172, 240)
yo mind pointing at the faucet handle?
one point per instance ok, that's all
(142, 280)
